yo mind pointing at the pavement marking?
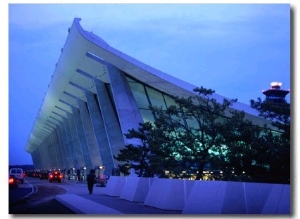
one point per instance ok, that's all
(26, 184)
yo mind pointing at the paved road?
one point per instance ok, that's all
(45, 201)
(36, 197)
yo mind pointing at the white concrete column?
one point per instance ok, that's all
(82, 138)
(76, 143)
(128, 113)
(62, 144)
(100, 132)
(110, 119)
(52, 153)
(89, 133)
(62, 163)
(70, 141)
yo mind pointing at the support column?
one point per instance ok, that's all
(82, 138)
(66, 142)
(62, 163)
(43, 149)
(50, 161)
(63, 147)
(110, 119)
(68, 134)
(53, 154)
(76, 143)
(100, 133)
(89, 134)
(35, 158)
(127, 109)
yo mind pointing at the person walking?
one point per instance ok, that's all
(90, 181)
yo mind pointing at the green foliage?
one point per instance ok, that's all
(196, 125)
(136, 156)
(277, 112)
(276, 144)
(199, 133)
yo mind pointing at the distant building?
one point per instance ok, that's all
(275, 94)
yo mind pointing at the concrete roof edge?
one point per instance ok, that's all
(166, 77)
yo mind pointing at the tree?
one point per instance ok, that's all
(203, 131)
(136, 156)
(276, 112)
(165, 145)
(243, 147)
(276, 143)
(196, 125)
(198, 131)
(152, 157)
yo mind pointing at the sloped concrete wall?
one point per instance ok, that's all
(279, 200)
(208, 192)
(169, 194)
(218, 197)
(203, 197)
(136, 189)
(115, 185)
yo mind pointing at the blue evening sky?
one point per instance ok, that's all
(234, 49)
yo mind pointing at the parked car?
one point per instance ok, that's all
(13, 182)
(102, 180)
(43, 175)
(55, 176)
(18, 173)
(31, 173)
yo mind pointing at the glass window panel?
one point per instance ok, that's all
(147, 115)
(169, 101)
(130, 79)
(139, 94)
(156, 98)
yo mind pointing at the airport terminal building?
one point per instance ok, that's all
(97, 94)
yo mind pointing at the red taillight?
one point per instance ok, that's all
(11, 180)
(51, 176)
(60, 176)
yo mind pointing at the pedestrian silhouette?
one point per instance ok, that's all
(90, 181)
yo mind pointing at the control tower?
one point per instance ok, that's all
(275, 94)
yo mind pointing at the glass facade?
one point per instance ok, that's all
(146, 96)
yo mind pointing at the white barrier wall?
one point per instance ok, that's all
(115, 185)
(136, 189)
(169, 194)
(278, 201)
(203, 197)
(219, 197)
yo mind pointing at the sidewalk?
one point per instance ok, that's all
(78, 200)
